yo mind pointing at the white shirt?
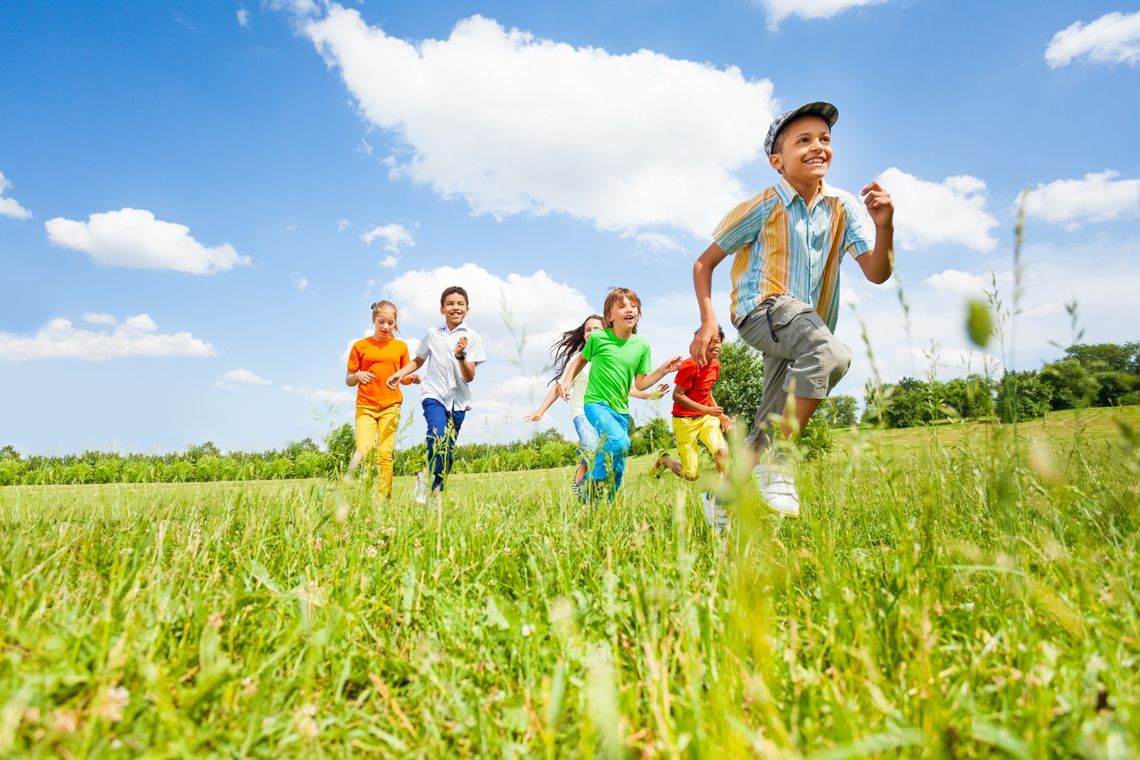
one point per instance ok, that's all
(578, 393)
(442, 379)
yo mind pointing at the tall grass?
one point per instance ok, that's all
(942, 598)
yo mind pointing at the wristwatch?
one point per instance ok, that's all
(461, 355)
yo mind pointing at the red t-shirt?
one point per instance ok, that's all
(697, 382)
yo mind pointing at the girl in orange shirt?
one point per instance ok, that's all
(371, 361)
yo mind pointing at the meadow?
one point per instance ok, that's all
(958, 591)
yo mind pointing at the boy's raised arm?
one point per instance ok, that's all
(702, 285)
(395, 378)
(645, 382)
(879, 263)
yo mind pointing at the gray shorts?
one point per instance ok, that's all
(801, 357)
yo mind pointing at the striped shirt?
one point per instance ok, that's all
(783, 247)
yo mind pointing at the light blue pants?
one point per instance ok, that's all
(587, 438)
(613, 435)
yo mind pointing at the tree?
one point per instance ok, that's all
(1107, 357)
(1022, 396)
(341, 443)
(839, 411)
(652, 436)
(971, 397)
(1070, 383)
(9, 452)
(909, 403)
(741, 381)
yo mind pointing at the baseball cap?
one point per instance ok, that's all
(823, 110)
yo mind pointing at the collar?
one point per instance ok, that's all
(448, 331)
(788, 193)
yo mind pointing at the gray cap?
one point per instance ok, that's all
(825, 111)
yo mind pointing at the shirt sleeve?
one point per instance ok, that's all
(591, 346)
(423, 350)
(404, 357)
(353, 358)
(859, 231)
(742, 225)
(684, 378)
(475, 351)
(645, 365)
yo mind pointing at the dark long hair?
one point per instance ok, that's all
(570, 343)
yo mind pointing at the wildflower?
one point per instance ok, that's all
(66, 721)
(215, 620)
(304, 720)
(114, 700)
(527, 630)
(371, 551)
(248, 687)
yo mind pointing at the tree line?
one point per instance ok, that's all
(1104, 374)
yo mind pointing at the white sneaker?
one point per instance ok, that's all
(715, 516)
(421, 489)
(778, 489)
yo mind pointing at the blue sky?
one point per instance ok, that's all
(199, 200)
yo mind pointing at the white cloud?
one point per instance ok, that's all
(236, 377)
(624, 141)
(242, 17)
(1096, 198)
(388, 262)
(300, 282)
(1112, 38)
(396, 237)
(342, 225)
(134, 238)
(778, 10)
(656, 241)
(136, 336)
(98, 318)
(321, 396)
(932, 213)
(10, 206)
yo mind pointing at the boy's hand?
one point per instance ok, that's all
(532, 417)
(657, 393)
(879, 204)
(699, 348)
(460, 345)
(716, 410)
(412, 379)
(392, 381)
(564, 392)
(671, 366)
(726, 423)
(364, 377)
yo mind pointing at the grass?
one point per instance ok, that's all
(949, 593)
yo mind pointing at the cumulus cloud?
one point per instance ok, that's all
(778, 10)
(342, 225)
(10, 207)
(1097, 197)
(396, 237)
(1112, 38)
(242, 17)
(236, 377)
(135, 336)
(537, 126)
(133, 238)
(322, 396)
(388, 262)
(932, 213)
(300, 282)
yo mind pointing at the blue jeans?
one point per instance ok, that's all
(587, 438)
(442, 429)
(613, 432)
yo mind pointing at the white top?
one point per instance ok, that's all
(578, 393)
(441, 378)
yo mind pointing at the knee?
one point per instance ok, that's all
(834, 359)
(616, 444)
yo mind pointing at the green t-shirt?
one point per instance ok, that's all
(613, 364)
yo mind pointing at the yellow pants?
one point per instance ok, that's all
(376, 428)
(687, 431)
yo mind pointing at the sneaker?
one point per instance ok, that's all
(778, 489)
(420, 493)
(576, 486)
(715, 516)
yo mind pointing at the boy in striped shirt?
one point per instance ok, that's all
(787, 243)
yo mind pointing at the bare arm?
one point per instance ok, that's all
(702, 285)
(573, 367)
(360, 376)
(407, 369)
(644, 382)
(536, 415)
(879, 263)
(683, 401)
(652, 395)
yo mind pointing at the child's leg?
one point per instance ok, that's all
(800, 352)
(435, 415)
(713, 439)
(613, 435)
(686, 430)
(587, 445)
(365, 435)
(387, 425)
(454, 423)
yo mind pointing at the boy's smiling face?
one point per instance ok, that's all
(624, 313)
(454, 309)
(804, 153)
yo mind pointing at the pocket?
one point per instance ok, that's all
(785, 309)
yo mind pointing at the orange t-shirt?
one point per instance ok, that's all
(382, 359)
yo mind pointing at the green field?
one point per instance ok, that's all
(949, 592)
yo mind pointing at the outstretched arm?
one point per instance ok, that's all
(652, 395)
(644, 382)
(536, 415)
(398, 376)
(573, 367)
(702, 285)
(879, 263)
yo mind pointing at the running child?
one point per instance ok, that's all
(787, 243)
(452, 353)
(618, 358)
(372, 361)
(571, 343)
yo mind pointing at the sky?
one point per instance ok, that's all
(200, 200)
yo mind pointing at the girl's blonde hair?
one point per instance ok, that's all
(376, 307)
(616, 296)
